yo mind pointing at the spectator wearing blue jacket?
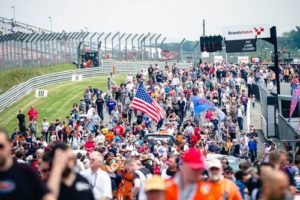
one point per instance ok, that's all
(241, 178)
(252, 144)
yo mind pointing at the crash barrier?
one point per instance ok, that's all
(275, 123)
(267, 115)
(287, 129)
(19, 91)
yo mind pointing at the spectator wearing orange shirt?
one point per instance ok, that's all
(109, 136)
(127, 182)
(217, 187)
(183, 185)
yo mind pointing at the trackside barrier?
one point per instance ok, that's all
(19, 91)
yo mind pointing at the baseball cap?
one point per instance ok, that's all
(155, 183)
(194, 159)
(214, 163)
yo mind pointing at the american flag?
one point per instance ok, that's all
(144, 103)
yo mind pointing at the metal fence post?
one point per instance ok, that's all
(156, 51)
(144, 46)
(132, 46)
(99, 47)
(126, 46)
(99, 54)
(139, 47)
(78, 55)
(112, 44)
(120, 48)
(162, 44)
(150, 44)
(50, 46)
(91, 39)
(7, 54)
(105, 47)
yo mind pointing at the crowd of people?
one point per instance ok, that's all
(101, 150)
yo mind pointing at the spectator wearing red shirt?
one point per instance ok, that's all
(33, 113)
(197, 132)
(119, 129)
(144, 148)
(193, 140)
(208, 115)
(89, 144)
(156, 168)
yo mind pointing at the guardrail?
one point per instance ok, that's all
(21, 90)
(285, 129)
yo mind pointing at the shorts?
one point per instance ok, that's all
(114, 185)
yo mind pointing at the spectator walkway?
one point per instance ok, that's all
(253, 118)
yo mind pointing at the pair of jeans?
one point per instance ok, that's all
(240, 123)
(253, 155)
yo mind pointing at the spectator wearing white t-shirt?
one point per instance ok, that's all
(45, 127)
(100, 138)
(98, 179)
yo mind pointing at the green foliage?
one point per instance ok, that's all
(289, 41)
(14, 76)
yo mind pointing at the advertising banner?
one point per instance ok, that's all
(246, 32)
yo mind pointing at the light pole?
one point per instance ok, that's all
(14, 12)
(50, 20)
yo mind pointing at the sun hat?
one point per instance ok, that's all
(144, 157)
(155, 183)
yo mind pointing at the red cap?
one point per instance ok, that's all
(194, 159)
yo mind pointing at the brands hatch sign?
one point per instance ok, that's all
(243, 38)
(246, 32)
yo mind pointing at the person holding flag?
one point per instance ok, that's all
(144, 103)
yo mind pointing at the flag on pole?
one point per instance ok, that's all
(294, 102)
(144, 103)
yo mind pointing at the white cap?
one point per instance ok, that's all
(214, 163)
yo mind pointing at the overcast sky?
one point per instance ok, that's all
(175, 19)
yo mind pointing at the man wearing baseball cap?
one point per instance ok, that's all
(184, 185)
(217, 187)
